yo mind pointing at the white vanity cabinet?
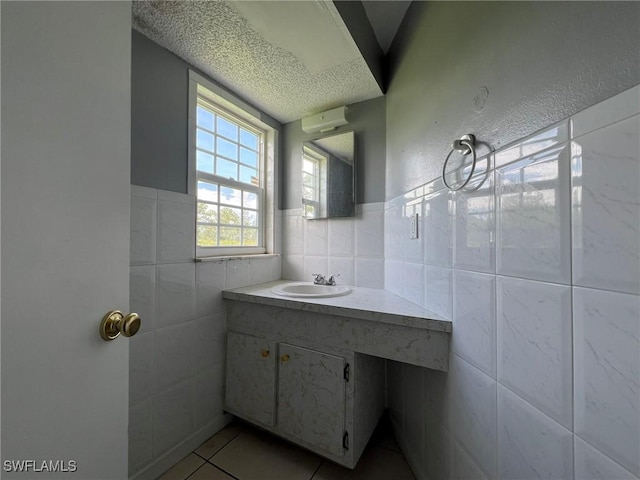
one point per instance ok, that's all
(305, 395)
(251, 378)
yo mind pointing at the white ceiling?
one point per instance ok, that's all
(289, 58)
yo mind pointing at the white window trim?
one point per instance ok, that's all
(235, 107)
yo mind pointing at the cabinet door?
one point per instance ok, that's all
(251, 378)
(311, 397)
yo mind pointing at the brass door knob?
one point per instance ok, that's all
(264, 353)
(284, 358)
(114, 323)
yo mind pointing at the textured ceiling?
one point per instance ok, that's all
(289, 58)
(340, 145)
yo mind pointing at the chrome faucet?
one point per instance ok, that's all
(318, 279)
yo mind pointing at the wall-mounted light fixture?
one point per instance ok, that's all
(325, 121)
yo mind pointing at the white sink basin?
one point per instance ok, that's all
(310, 290)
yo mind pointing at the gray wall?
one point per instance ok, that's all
(540, 61)
(367, 120)
(159, 115)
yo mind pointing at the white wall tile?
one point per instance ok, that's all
(413, 427)
(262, 270)
(533, 217)
(210, 281)
(607, 373)
(175, 197)
(293, 267)
(238, 273)
(474, 246)
(614, 109)
(176, 231)
(590, 464)
(209, 345)
(208, 396)
(437, 232)
(474, 319)
(414, 282)
(393, 233)
(534, 344)
(293, 233)
(464, 467)
(531, 445)
(173, 355)
(370, 234)
(315, 237)
(175, 293)
(370, 272)
(539, 141)
(142, 295)
(394, 276)
(314, 265)
(143, 230)
(345, 266)
(140, 435)
(172, 417)
(474, 414)
(606, 207)
(438, 283)
(341, 237)
(438, 453)
(141, 367)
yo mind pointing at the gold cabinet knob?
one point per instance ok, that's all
(114, 323)
(264, 353)
(284, 358)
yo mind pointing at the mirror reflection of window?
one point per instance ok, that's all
(328, 177)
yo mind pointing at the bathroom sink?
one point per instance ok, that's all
(310, 290)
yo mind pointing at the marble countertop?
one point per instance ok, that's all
(371, 304)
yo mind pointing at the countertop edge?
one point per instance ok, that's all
(357, 313)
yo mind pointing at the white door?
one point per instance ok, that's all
(65, 236)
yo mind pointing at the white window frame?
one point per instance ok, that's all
(225, 105)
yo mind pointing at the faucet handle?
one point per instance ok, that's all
(331, 280)
(317, 278)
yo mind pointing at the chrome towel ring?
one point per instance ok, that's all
(465, 145)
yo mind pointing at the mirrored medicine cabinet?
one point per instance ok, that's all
(328, 177)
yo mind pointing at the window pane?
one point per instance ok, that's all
(205, 118)
(308, 180)
(249, 157)
(308, 166)
(248, 139)
(230, 236)
(227, 169)
(204, 140)
(230, 216)
(227, 149)
(227, 129)
(250, 218)
(230, 196)
(207, 236)
(204, 162)
(249, 175)
(207, 213)
(208, 191)
(250, 200)
(250, 237)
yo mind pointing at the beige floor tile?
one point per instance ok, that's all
(209, 472)
(258, 456)
(376, 463)
(183, 468)
(220, 439)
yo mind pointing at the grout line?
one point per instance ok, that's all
(221, 448)
(223, 471)
(316, 471)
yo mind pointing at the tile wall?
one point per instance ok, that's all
(176, 376)
(537, 263)
(352, 247)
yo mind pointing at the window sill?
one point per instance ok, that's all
(226, 258)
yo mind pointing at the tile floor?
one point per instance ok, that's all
(242, 452)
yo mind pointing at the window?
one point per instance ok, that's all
(314, 166)
(228, 156)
